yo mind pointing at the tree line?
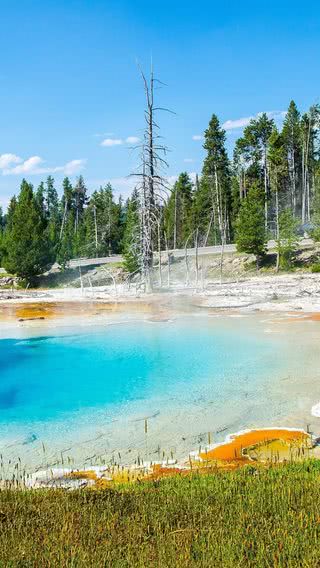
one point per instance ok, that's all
(39, 228)
(269, 187)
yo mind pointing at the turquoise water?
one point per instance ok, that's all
(81, 395)
(49, 377)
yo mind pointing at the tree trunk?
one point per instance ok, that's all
(277, 227)
(175, 221)
(159, 253)
(95, 228)
(196, 258)
(265, 189)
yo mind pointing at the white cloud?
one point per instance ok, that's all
(244, 121)
(71, 168)
(7, 159)
(35, 165)
(132, 140)
(31, 165)
(111, 142)
(188, 160)
(276, 114)
(238, 123)
(197, 137)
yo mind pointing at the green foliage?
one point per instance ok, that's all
(315, 267)
(291, 133)
(250, 227)
(2, 226)
(131, 237)
(26, 245)
(216, 173)
(250, 155)
(177, 215)
(315, 234)
(102, 221)
(284, 164)
(52, 213)
(202, 213)
(287, 241)
(253, 517)
(79, 200)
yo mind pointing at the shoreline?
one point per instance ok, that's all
(32, 318)
(277, 292)
(257, 447)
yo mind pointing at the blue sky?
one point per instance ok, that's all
(69, 79)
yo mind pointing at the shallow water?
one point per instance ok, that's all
(88, 392)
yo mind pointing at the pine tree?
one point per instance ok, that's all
(10, 212)
(309, 126)
(51, 197)
(40, 198)
(292, 140)
(67, 225)
(131, 237)
(52, 210)
(80, 201)
(251, 152)
(102, 223)
(26, 244)
(216, 171)
(67, 200)
(203, 214)
(287, 238)
(251, 236)
(2, 225)
(177, 213)
(278, 168)
(65, 249)
(8, 225)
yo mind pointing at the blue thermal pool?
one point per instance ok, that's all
(190, 375)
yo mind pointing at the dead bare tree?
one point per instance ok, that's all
(223, 242)
(152, 185)
(197, 257)
(186, 259)
(95, 228)
(168, 259)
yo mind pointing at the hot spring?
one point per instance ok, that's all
(146, 388)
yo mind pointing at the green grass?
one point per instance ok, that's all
(256, 518)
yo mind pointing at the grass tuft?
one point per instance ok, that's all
(250, 517)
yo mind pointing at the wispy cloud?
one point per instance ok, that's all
(239, 123)
(31, 165)
(197, 137)
(36, 165)
(6, 160)
(188, 160)
(132, 140)
(109, 142)
(276, 114)
(72, 167)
